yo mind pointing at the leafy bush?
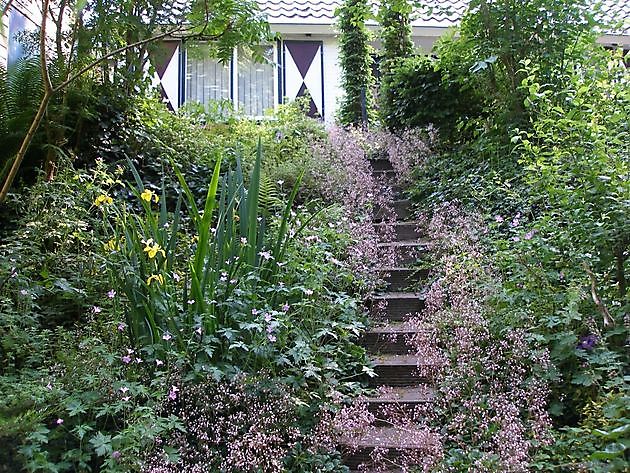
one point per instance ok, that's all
(418, 95)
(546, 166)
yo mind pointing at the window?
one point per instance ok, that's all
(255, 83)
(249, 85)
(17, 26)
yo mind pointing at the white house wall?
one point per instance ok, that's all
(4, 28)
(28, 17)
(332, 76)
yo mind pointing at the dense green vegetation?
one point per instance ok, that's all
(535, 166)
(183, 291)
(123, 289)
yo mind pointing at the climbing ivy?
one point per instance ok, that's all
(356, 63)
(395, 35)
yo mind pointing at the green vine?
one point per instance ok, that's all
(357, 105)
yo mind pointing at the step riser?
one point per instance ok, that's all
(396, 375)
(393, 344)
(403, 409)
(409, 256)
(398, 310)
(381, 165)
(399, 280)
(384, 176)
(362, 456)
(401, 232)
(402, 209)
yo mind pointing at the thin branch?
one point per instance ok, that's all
(122, 49)
(608, 320)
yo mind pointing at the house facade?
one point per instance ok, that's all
(22, 16)
(304, 61)
(306, 58)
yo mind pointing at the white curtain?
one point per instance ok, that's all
(255, 83)
(206, 80)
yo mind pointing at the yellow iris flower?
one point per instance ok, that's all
(148, 195)
(103, 199)
(155, 277)
(152, 248)
(112, 245)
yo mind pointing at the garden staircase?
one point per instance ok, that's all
(399, 387)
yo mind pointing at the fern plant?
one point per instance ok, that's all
(21, 90)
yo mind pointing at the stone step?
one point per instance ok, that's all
(402, 209)
(399, 279)
(403, 231)
(398, 441)
(397, 370)
(406, 252)
(391, 338)
(396, 306)
(400, 402)
(381, 164)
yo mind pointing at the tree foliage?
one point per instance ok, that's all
(95, 43)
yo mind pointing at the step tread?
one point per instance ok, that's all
(398, 360)
(395, 438)
(403, 223)
(405, 243)
(397, 328)
(387, 296)
(388, 269)
(404, 394)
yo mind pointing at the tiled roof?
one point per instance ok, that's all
(435, 13)
(617, 12)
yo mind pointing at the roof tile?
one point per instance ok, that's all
(435, 13)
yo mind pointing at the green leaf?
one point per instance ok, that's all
(102, 444)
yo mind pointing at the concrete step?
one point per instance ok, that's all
(402, 209)
(403, 231)
(406, 252)
(391, 338)
(381, 164)
(399, 279)
(396, 306)
(398, 441)
(397, 370)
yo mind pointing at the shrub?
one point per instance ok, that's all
(419, 95)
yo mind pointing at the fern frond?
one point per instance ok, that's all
(269, 197)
